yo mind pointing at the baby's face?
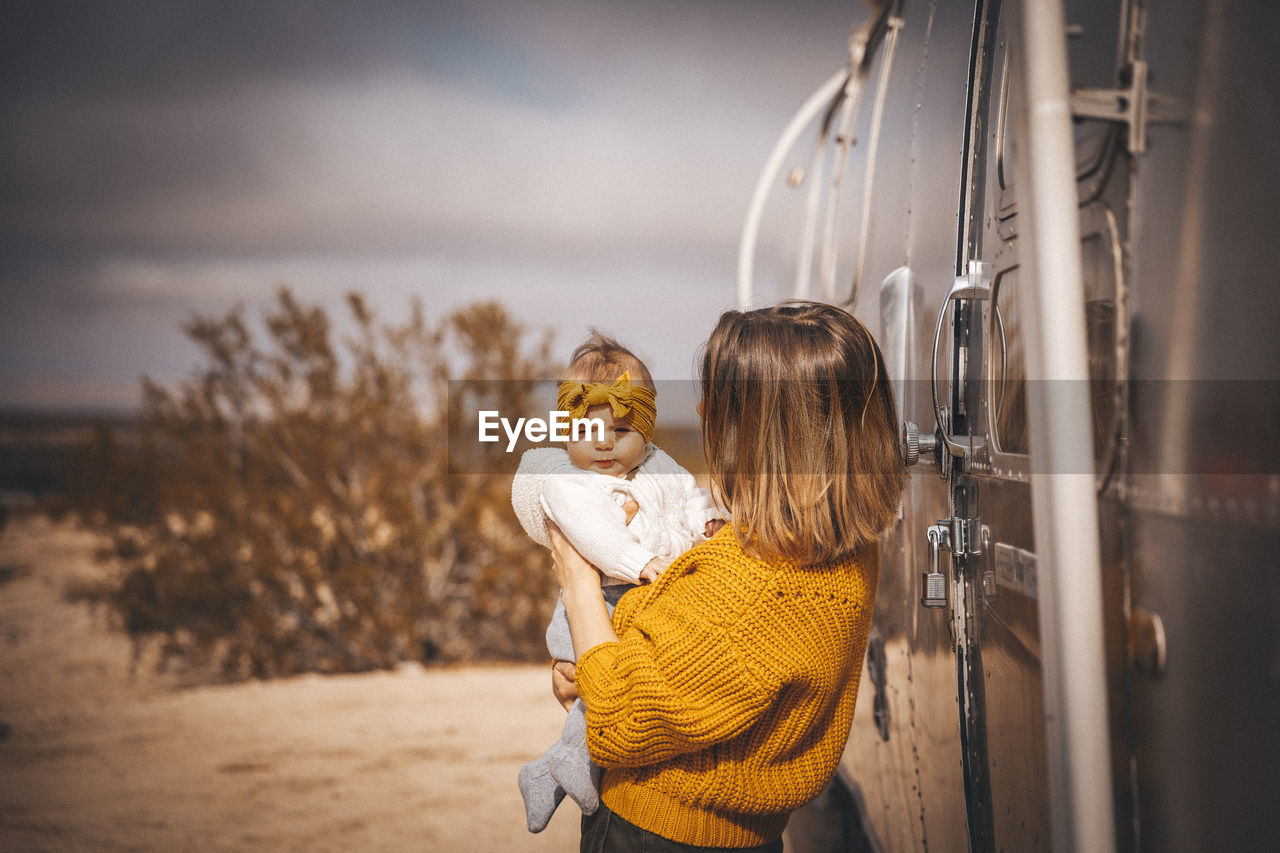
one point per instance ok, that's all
(617, 454)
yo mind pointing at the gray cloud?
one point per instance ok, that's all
(158, 158)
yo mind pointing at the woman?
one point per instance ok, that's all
(720, 696)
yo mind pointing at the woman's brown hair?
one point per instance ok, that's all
(800, 431)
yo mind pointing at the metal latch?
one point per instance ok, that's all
(962, 537)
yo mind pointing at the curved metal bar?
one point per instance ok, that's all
(1120, 397)
(813, 198)
(965, 287)
(998, 322)
(804, 266)
(863, 45)
(873, 144)
(933, 374)
(844, 143)
(751, 227)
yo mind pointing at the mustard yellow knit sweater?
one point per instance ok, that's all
(727, 700)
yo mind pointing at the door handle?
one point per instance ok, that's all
(972, 286)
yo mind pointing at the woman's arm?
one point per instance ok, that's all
(678, 679)
(676, 685)
(650, 699)
(589, 620)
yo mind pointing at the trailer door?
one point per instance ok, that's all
(986, 548)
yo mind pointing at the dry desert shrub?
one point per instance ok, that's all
(291, 508)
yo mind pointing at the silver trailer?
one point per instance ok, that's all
(1061, 218)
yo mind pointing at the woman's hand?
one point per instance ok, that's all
(563, 675)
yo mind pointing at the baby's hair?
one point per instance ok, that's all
(800, 431)
(602, 359)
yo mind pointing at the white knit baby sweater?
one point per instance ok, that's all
(587, 507)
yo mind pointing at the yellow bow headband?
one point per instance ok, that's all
(625, 400)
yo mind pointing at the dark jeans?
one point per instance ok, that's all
(605, 832)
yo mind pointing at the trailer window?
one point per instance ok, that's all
(1009, 392)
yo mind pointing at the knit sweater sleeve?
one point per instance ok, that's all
(675, 682)
(595, 525)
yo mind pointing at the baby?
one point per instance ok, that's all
(625, 505)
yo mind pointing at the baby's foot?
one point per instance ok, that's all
(541, 793)
(570, 762)
(578, 777)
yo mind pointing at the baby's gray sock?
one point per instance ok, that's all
(571, 764)
(540, 791)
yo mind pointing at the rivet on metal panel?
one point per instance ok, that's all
(1146, 641)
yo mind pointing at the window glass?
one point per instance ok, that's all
(1009, 389)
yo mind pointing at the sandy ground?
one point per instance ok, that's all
(94, 759)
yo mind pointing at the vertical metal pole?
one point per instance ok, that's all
(1064, 502)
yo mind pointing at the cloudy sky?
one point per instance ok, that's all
(585, 163)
